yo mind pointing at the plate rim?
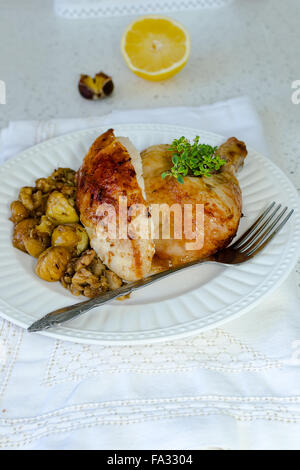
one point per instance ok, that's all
(65, 332)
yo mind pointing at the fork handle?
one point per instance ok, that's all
(65, 314)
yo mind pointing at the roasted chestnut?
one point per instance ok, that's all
(95, 88)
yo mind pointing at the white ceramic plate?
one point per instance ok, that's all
(188, 302)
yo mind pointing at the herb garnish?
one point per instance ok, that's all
(193, 159)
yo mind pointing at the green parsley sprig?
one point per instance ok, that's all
(193, 159)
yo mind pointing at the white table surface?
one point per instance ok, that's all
(249, 48)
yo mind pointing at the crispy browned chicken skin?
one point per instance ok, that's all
(220, 194)
(108, 172)
(111, 169)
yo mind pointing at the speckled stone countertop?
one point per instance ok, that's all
(248, 48)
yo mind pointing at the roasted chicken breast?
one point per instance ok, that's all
(112, 170)
(219, 195)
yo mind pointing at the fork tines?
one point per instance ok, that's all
(263, 230)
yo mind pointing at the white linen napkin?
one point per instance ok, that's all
(234, 387)
(97, 8)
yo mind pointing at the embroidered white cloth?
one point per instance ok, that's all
(98, 8)
(235, 387)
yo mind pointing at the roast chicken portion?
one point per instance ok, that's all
(112, 170)
(219, 195)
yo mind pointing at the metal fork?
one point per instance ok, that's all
(255, 239)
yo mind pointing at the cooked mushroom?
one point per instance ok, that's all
(85, 259)
(45, 184)
(30, 197)
(85, 282)
(97, 267)
(64, 175)
(114, 281)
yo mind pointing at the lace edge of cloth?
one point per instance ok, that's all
(137, 7)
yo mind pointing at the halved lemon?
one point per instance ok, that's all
(155, 47)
